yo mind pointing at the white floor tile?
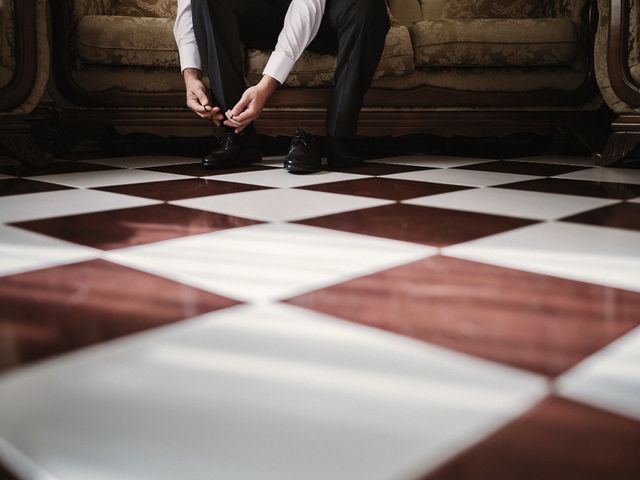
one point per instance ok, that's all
(21, 251)
(104, 178)
(435, 161)
(605, 256)
(269, 261)
(557, 159)
(635, 200)
(617, 175)
(143, 161)
(280, 204)
(31, 206)
(471, 178)
(513, 203)
(280, 178)
(275, 392)
(610, 379)
(4, 177)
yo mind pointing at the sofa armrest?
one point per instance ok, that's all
(82, 8)
(573, 9)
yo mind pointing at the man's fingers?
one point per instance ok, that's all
(241, 105)
(247, 115)
(202, 97)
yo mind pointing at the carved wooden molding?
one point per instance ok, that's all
(26, 55)
(622, 83)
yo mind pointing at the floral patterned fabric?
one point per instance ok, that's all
(146, 8)
(405, 11)
(7, 35)
(315, 70)
(139, 41)
(573, 9)
(492, 9)
(634, 40)
(494, 43)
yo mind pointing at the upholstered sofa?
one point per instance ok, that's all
(24, 70)
(464, 66)
(617, 60)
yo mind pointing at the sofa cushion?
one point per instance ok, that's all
(139, 41)
(493, 9)
(405, 11)
(314, 69)
(495, 42)
(146, 8)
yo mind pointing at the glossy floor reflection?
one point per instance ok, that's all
(417, 317)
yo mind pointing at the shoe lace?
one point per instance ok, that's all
(302, 137)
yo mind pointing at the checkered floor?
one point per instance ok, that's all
(426, 317)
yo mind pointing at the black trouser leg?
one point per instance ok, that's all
(221, 28)
(357, 29)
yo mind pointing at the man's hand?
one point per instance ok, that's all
(251, 104)
(197, 98)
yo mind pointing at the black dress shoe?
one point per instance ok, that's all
(234, 150)
(342, 153)
(303, 155)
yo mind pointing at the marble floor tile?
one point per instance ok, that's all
(437, 227)
(604, 256)
(270, 261)
(620, 191)
(610, 379)
(523, 168)
(600, 174)
(105, 178)
(21, 186)
(144, 161)
(432, 161)
(280, 205)
(197, 170)
(454, 176)
(544, 324)
(579, 161)
(60, 309)
(387, 188)
(126, 227)
(17, 208)
(180, 189)
(556, 439)
(270, 392)
(22, 251)
(280, 178)
(621, 215)
(512, 203)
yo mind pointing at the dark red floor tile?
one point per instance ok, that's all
(197, 170)
(523, 168)
(133, 226)
(620, 215)
(537, 322)
(53, 168)
(180, 189)
(431, 226)
(372, 168)
(619, 191)
(56, 310)
(20, 186)
(559, 439)
(387, 188)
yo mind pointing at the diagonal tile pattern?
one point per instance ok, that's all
(420, 316)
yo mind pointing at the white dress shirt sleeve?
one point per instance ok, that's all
(301, 24)
(185, 38)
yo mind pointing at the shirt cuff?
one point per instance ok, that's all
(279, 66)
(190, 59)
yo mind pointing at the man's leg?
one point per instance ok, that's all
(221, 28)
(357, 29)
